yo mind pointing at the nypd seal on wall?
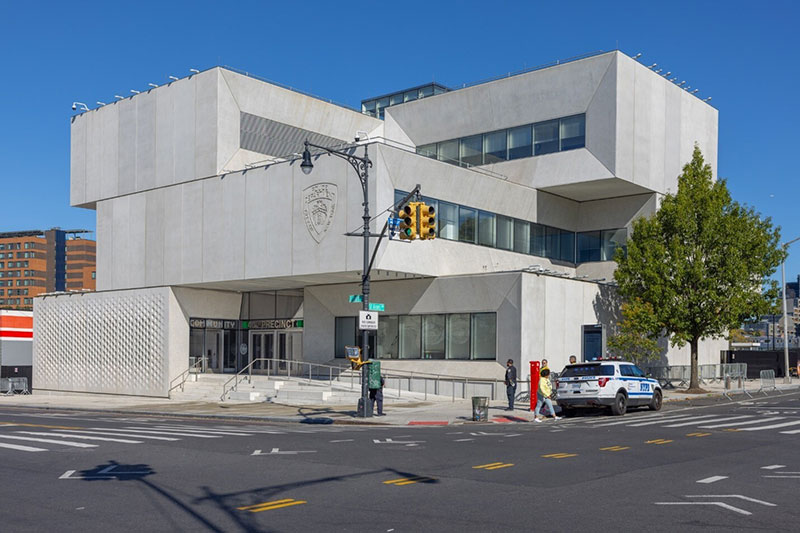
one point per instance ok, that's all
(319, 208)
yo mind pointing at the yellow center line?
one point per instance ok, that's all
(408, 480)
(616, 448)
(560, 455)
(270, 506)
(248, 507)
(488, 465)
(658, 441)
(698, 434)
(732, 429)
(500, 466)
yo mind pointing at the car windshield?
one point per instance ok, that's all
(590, 369)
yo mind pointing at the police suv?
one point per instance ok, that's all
(605, 383)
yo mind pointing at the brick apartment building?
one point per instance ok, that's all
(36, 262)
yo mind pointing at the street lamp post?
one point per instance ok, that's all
(362, 166)
(786, 377)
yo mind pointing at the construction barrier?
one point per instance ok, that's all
(734, 376)
(11, 386)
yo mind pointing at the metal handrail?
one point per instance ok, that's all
(227, 388)
(183, 376)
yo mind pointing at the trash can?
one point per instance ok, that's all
(480, 409)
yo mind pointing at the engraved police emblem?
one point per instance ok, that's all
(319, 208)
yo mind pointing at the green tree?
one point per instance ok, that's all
(702, 262)
(633, 339)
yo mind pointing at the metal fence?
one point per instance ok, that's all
(767, 381)
(668, 376)
(9, 386)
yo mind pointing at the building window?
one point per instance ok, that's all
(410, 329)
(484, 336)
(458, 336)
(471, 151)
(588, 246)
(94, 274)
(428, 150)
(505, 233)
(388, 338)
(447, 151)
(522, 237)
(345, 334)
(545, 138)
(447, 220)
(573, 132)
(486, 229)
(494, 147)
(466, 224)
(433, 333)
(519, 142)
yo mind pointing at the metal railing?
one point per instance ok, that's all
(180, 379)
(767, 381)
(271, 367)
(667, 375)
(11, 386)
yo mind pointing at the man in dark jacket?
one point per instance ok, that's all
(511, 383)
(376, 395)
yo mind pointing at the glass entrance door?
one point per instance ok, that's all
(262, 346)
(214, 346)
(229, 351)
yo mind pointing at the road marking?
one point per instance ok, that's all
(463, 440)
(746, 423)
(615, 448)
(52, 441)
(277, 451)
(83, 437)
(783, 477)
(209, 431)
(45, 426)
(405, 442)
(638, 421)
(105, 473)
(658, 441)
(162, 432)
(690, 418)
(494, 466)
(732, 429)
(739, 496)
(409, 481)
(21, 448)
(698, 434)
(718, 504)
(428, 423)
(708, 421)
(151, 437)
(712, 479)
(270, 506)
(560, 455)
(343, 440)
(772, 467)
(773, 426)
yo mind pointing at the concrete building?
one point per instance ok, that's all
(35, 262)
(214, 248)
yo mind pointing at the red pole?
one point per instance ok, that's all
(534, 383)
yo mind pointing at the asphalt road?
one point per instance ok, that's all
(731, 466)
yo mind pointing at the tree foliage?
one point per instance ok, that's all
(702, 262)
(632, 340)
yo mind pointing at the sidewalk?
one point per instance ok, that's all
(400, 414)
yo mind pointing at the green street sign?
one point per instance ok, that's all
(377, 307)
(356, 298)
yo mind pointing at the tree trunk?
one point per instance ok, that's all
(694, 382)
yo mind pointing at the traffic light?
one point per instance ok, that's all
(427, 222)
(408, 221)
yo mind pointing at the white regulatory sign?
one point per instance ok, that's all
(368, 320)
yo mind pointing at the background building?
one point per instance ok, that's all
(35, 262)
(216, 248)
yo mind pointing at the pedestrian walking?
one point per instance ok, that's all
(511, 383)
(543, 398)
(376, 396)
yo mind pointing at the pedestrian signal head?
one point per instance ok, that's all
(427, 222)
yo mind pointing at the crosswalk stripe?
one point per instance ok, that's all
(149, 437)
(792, 432)
(650, 420)
(175, 433)
(683, 419)
(83, 437)
(22, 448)
(773, 426)
(745, 423)
(713, 420)
(51, 441)
(209, 431)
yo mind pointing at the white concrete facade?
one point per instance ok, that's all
(201, 205)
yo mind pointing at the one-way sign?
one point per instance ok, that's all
(368, 320)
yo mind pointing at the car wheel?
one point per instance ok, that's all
(620, 405)
(655, 403)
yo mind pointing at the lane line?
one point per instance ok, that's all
(146, 431)
(52, 441)
(149, 437)
(739, 496)
(21, 448)
(783, 477)
(712, 479)
(718, 504)
(692, 418)
(772, 467)
(209, 431)
(746, 423)
(773, 426)
(654, 419)
(83, 437)
(714, 421)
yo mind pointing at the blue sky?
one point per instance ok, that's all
(743, 54)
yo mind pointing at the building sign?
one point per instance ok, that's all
(275, 324)
(368, 320)
(280, 323)
(319, 208)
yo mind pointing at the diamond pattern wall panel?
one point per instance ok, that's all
(109, 342)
